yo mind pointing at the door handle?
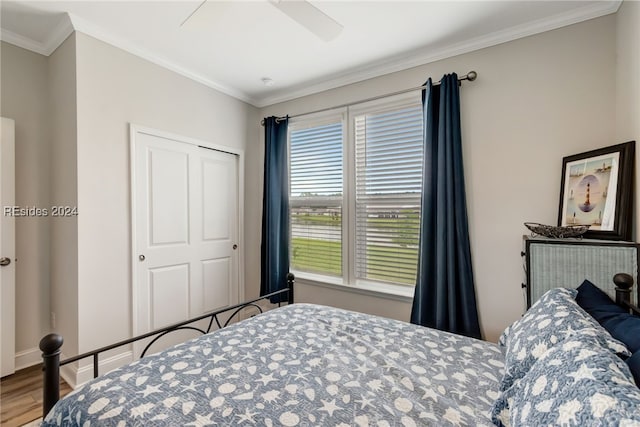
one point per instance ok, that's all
(4, 261)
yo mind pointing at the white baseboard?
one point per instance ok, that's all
(75, 376)
(27, 358)
(68, 374)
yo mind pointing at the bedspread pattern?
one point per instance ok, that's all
(299, 365)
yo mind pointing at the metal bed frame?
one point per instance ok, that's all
(624, 283)
(51, 344)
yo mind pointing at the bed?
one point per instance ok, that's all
(311, 365)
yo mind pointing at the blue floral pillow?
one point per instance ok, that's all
(548, 298)
(576, 383)
(553, 318)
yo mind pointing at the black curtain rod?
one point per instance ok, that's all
(471, 76)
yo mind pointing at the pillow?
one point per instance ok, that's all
(626, 328)
(554, 317)
(502, 341)
(550, 295)
(596, 302)
(634, 366)
(575, 383)
(616, 320)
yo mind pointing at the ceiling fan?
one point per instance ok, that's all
(301, 11)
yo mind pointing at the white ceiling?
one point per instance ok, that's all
(251, 40)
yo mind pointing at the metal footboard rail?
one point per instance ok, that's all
(51, 344)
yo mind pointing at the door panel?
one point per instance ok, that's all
(168, 196)
(169, 287)
(217, 273)
(185, 209)
(217, 185)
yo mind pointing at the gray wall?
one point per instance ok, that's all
(628, 84)
(64, 192)
(24, 88)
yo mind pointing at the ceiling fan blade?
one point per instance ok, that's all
(207, 14)
(310, 17)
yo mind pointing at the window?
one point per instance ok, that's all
(388, 164)
(316, 198)
(356, 179)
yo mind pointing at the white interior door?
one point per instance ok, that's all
(7, 248)
(186, 230)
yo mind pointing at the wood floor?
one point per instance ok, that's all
(21, 396)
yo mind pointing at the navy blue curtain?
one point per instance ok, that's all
(445, 294)
(275, 209)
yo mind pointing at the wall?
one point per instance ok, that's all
(535, 101)
(627, 83)
(24, 99)
(115, 88)
(64, 184)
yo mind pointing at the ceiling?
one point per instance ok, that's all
(248, 41)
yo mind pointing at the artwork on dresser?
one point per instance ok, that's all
(596, 190)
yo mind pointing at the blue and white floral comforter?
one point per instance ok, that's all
(304, 365)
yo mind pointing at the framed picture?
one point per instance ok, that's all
(597, 190)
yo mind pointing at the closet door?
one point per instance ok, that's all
(186, 230)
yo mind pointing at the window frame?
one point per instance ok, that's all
(307, 122)
(346, 116)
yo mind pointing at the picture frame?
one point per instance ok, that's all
(597, 190)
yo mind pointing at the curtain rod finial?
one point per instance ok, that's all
(472, 75)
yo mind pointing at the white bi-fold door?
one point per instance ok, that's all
(186, 229)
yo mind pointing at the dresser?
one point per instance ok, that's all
(552, 263)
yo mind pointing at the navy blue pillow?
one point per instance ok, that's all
(634, 365)
(626, 328)
(597, 303)
(615, 319)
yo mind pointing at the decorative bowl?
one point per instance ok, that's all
(556, 232)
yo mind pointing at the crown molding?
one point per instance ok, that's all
(60, 33)
(73, 23)
(398, 63)
(85, 27)
(23, 42)
(46, 48)
(425, 56)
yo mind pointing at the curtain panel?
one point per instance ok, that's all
(275, 210)
(445, 293)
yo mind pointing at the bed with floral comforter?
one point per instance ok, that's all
(301, 364)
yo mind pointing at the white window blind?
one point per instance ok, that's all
(388, 171)
(316, 195)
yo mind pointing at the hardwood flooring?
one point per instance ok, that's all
(21, 396)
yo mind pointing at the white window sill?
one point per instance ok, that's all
(379, 290)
